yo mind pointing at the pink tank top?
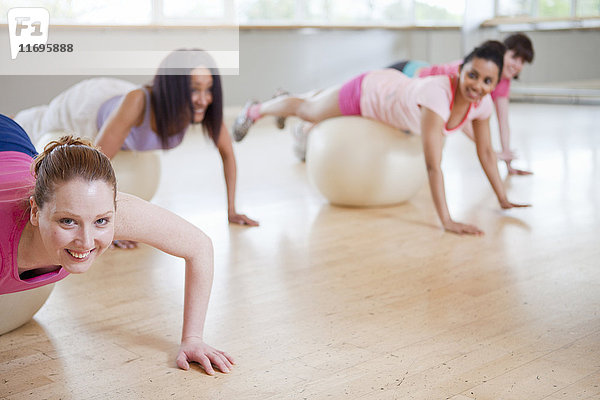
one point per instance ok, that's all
(16, 185)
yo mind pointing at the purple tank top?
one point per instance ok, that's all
(141, 137)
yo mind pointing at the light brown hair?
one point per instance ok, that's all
(68, 158)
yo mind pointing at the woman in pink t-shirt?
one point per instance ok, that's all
(519, 50)
(433, 107)
(59, 213)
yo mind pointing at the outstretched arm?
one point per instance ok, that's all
(144, 222)
(501, 104)
(118, 125)
(506, 154)
(487, 158)
(230, 171)
(432, 126)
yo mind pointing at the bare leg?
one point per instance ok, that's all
(313, 107)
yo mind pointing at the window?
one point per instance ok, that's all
(85, 12)
(588, 8)
(514, 8)
(431, 11)
(554, 8)
(265, 11)
(356, 12)
(548, 8)
(206, 10)
(250, 12)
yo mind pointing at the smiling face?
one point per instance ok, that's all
(76, 225)
(512, 65)
(478, 77)
(202, 82)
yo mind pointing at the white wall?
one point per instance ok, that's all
(303, 60)
(563, 56)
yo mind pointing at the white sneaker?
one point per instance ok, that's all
(300, 133)
(243, 122)
(280, 121)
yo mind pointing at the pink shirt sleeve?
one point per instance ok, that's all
(436, 94)
(502, 89)
(440, 69)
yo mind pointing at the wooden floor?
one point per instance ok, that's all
(322, 302)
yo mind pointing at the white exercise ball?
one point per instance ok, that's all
(18, 308)
(137, 172)
(355, 161)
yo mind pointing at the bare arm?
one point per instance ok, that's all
(230, 171)
(144, 222)
(507, 155)
(118, 125)
(432, 126)
(488, 161)
(501, 104)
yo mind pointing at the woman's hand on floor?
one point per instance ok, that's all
(507, 205)
(516, 171)
(193, 349)
(241, 219)
(462, 229)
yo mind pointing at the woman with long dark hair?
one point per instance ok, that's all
(117, 115)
